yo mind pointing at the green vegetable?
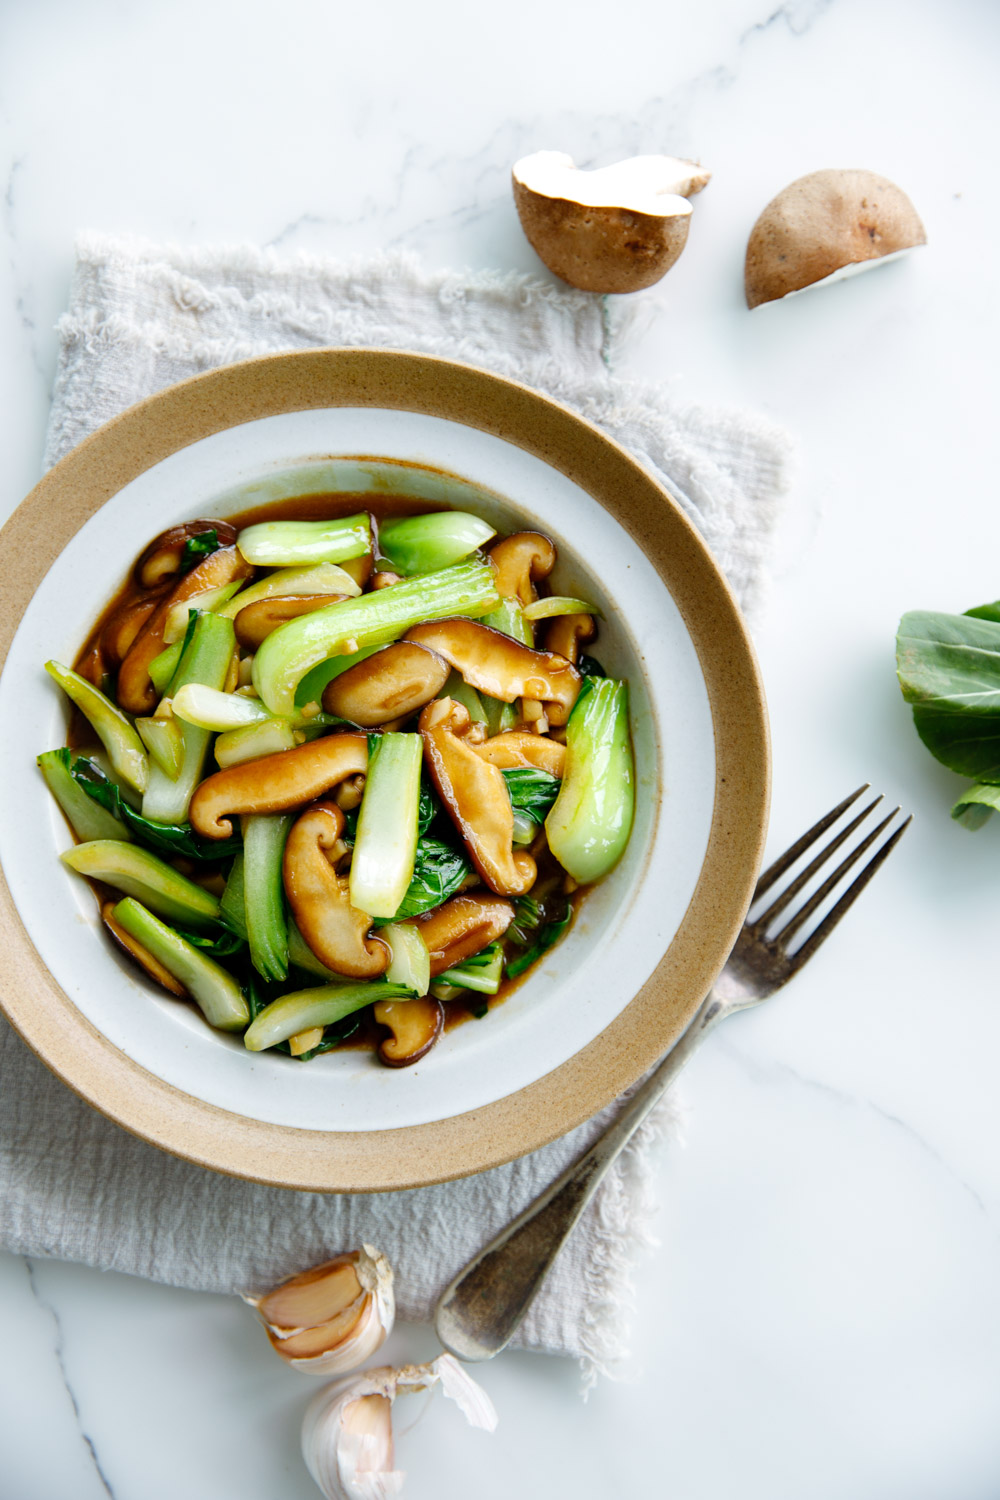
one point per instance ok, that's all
(164, 739)
(310, 689)
(532, 792)
(207, 653)
(544, 609)
(88, 819)
(254, 740)
(976, 804)
(167, 838)
(482, 972)
(301, 956)
(213, 988)
(410, 964)
(439, 872)
(277, 544)
(587, 666)
(233, 904)
(209, 600)
(374, 619)
(125, 749)
(423, 544)
(320, 1006)
(949, 670)
(163, 667)
(456, 687)
(509, 619)
(263, 892)
(139, 873)
(591, 818)
(197, 548)
(534, 934)
(208, 708)
(385, 842)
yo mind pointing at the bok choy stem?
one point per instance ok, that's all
(126, 751)
(320, 1006)
(375, 619)
(137, 872)
(263, 893)
(591, 817)
(423, 544)
(206, 659)
(88, 819)
(280, 544)
(385, 844)
(216, 992)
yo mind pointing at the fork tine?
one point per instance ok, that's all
(793, 888)
(847, 900)
(785, 861)
(794, 922)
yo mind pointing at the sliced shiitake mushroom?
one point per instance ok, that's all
(161, 560)
(335, 931)
(520, 561)
(518, 749)
(565, 635)
(276, 783)
(121, 629)
(384, 579)
(140, 955)
(388, 685)
(135, 691)
(415, 1026)
(255, 621)
(496, 664)
(461, 927)
(476, 798)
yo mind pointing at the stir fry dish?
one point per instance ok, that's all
(325, 781)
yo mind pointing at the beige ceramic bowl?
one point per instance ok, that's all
(613, 996)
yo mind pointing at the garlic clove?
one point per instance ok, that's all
(330, 1319)
(347, 1430)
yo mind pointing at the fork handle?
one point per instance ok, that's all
(481, 1310)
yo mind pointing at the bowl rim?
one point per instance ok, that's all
(655, 1018)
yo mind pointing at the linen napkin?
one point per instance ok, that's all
(72, 1184)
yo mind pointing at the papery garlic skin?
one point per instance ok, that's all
(357, 1327)
(347, 1430)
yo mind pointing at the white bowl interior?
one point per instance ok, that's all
(626, 923)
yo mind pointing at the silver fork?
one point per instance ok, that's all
(480, 1311)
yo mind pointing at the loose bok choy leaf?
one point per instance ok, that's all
(375, 619)
(423, 544)
(949, 671)
(591, 818)
(534, 933)
(482, 972)
(532, 792)
(439, 872)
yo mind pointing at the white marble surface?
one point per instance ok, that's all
(823, 1318)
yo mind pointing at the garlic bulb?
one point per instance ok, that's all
(332, 1318)
(347, 1431)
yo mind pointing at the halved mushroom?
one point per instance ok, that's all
(616, 229)
(162, 558)
(826, 226)
(255, 622)
(336, 932)
(128, 944)
(276, 783)
(476, 797)
(415, 1026)
(461, 927)
(496, 664)
(388, 685)
(520, 561)
(135, 691)
(518, 749)
(567, 633)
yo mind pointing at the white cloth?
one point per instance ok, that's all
(74, 1186)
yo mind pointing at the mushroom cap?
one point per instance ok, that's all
(616, 229)
(824, 226)
(388, 685)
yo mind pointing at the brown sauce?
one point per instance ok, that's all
(317, 507)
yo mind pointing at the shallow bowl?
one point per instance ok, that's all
(649, 940)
